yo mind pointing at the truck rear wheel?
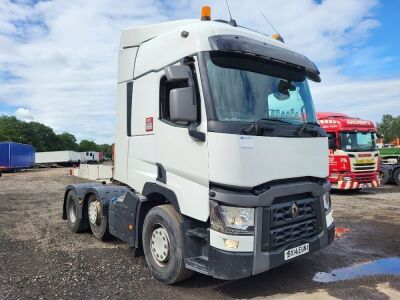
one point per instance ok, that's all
(384, 176)
(75, 223)
(396, 176)
(98, 223)
(163, 244)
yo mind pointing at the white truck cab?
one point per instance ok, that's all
(220, 165)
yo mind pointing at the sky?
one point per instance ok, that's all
(58, 59)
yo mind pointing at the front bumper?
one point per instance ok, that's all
(229, 265)
(358, 181)
(232, 264)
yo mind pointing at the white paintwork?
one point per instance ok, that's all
(269, 158)
(57, 157)
(131, 37)
(172, 147)
(329, 218)
(121, 138)
(126, 64)
(191, 165)
(246, 242)
(150, 57)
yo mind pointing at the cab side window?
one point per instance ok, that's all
(332, 140)
(166, 87)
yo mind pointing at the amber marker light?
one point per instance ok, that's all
(206, 13)
(277, 37)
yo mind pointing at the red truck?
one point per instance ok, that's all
(353, 157)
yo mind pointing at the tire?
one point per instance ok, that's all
(99, 224)
(170, 266)
(396, 176)
(71, 207)
(384, 176)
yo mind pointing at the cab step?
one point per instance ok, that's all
(197, 232)
(198, 264)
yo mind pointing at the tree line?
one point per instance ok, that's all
(43, 137)
(389, 128)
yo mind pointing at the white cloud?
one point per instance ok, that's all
(63, 53)
(368, 99)
(24, 114)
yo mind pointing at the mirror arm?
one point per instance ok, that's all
(195, 134)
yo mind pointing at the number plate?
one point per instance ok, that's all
(365, 161)
(294, 252)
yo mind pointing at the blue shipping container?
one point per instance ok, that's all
(16, 156)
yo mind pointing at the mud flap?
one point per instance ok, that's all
(122, 217)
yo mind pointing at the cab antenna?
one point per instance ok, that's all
(276, 36)
(231, 21)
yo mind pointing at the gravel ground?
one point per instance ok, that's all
(41, 258)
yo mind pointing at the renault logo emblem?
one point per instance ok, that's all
(294, 210)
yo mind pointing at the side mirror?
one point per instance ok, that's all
(181, 106)
(182, 101)
(332, 143)
(178, 73)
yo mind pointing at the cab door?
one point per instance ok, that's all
(184, 158)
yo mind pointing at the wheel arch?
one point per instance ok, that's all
(154, 192)
(155, 195)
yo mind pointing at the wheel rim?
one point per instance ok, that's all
(94, 212)
(381, 175)
(72, 211)
(159, 245)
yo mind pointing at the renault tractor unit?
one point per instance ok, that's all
(220, 165)
(354, 161)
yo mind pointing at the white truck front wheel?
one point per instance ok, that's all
(163, 244)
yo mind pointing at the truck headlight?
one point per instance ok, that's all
(327, 201)
(231, 220)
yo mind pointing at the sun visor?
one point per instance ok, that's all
(277, 54)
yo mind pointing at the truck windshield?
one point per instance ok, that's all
(357, 141)
(247, 88)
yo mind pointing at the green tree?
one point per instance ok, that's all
(43, 137)
(86, 145)
(389, 127)
(106, 149)
(4, 136)
(67, 141)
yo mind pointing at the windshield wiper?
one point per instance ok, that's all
(310, 127)
(274, 120)
(258, 126)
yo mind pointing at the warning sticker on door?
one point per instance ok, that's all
(246, 142)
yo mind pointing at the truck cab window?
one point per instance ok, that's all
(165, 89)
(246, 88)
(332, 140)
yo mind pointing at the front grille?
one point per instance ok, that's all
(280, 227)
(364, 178)
(282, 213)
(293, 232)
(364, 167)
